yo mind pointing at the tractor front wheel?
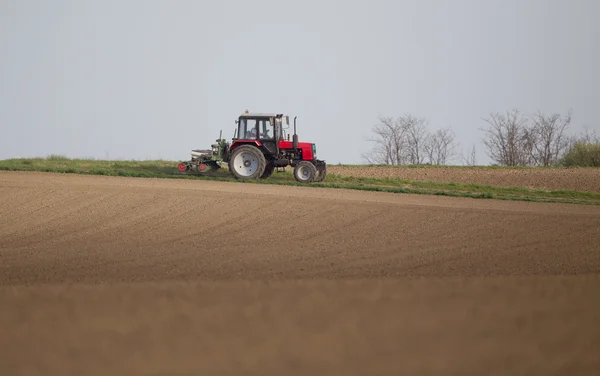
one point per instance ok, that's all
(247, 162)
(321, 173)
(305, 172)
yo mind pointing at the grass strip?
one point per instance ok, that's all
(490, 167)
(474, 188)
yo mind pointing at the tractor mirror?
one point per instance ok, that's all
(287, 120)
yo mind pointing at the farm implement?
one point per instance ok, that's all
(258, 147)
(205, 161)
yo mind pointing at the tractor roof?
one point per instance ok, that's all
(259, 115)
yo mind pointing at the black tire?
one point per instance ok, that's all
(269, 168)
(305, 172)
(247, 162)
(321, 174)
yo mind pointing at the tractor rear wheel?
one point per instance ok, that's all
(247, 162)
(269, 168)
(305, 172)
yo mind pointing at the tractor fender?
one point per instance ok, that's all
(237, 143)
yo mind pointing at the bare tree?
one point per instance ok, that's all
(470, 159)
(389, 142)
(528, 142)
(507, 139)
(416, 137)
(440, 146)
(512, 141)
(588, 137)
(407, 140)
(548, 138)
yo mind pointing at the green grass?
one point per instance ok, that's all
(168, 169)
(470, 188)
(490, 167)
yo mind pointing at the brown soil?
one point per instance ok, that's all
(102, 275)
(577, 179)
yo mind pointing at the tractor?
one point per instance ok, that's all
(259, 147)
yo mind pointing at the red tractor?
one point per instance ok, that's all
(259, 146)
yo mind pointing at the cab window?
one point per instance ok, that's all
(266, 129)
(247, 129)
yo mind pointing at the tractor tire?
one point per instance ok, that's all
(269, 168)
(183, 167)
(305, 172)
(321, 174)
(204, 168)
(247, 162)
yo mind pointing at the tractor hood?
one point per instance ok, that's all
(309, 150)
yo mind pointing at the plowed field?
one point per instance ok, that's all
(104, 275)
(576, 179)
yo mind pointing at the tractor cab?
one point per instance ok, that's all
(260, 127)
(265, 130)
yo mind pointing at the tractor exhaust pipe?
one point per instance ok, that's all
(295, 138)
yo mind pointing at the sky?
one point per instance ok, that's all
(150, 79)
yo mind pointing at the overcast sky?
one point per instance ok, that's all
(154, 79)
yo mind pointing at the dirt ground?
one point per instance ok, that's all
(104, 275)
(575, 179)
